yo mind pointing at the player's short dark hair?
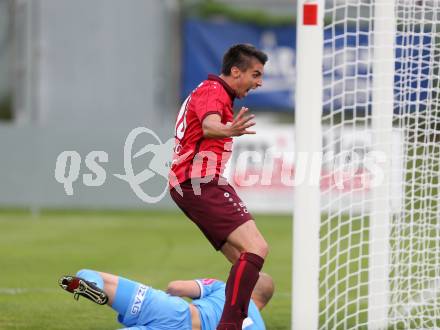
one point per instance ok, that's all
(240, 56)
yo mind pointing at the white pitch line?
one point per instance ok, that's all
(16, 291)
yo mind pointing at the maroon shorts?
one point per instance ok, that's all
(217, 210)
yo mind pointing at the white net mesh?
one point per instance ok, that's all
(414, 244)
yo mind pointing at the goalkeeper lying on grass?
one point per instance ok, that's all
(142, 307)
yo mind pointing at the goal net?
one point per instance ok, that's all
(379, 229)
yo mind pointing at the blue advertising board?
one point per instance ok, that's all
(347, 64)
(206, 41)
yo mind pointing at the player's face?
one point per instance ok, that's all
(252, 78)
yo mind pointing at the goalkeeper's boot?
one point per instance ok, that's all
(81, 287)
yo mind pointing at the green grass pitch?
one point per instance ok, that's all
(150, 247)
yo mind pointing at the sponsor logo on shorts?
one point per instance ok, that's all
(139, 299)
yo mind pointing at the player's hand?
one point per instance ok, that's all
(241, 123)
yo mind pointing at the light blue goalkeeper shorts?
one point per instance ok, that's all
(139, 306)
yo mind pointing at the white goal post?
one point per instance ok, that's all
(366, 227)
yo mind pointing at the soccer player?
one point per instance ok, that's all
(141, 307)
(204, 130)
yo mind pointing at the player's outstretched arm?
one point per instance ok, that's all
(214, 129)
(188, 289)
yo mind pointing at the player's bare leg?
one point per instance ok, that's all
(96, 286)
(118, 289)
(88, 284)
(244, 273)
(230, 252)
(247, 238)
(110, 286)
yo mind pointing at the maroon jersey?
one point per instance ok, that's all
(196, 156)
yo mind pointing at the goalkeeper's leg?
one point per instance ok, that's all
(101, 288)
(86, 283)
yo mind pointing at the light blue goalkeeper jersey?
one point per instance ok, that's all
(211, 302)
(155, 310)
(151, 309)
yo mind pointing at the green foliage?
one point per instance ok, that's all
(6, 108)
(212, 9)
